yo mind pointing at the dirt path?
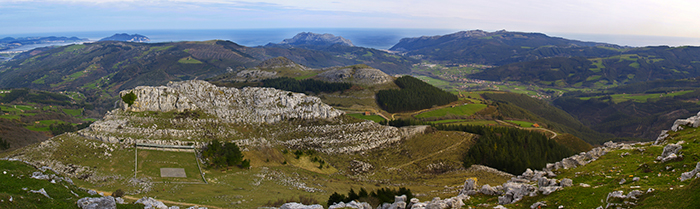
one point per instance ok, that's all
(435, 153)
(167, 202)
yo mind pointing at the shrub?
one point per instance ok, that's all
(118, 193)
(129, 98)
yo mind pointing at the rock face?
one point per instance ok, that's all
(248, 105)
(693, 121)
(308, 38)
(107, 202)
(364, 76)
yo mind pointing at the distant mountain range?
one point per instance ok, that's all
(8, 43)
(127, 38)
(498, 48)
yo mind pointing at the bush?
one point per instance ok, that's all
(129, 98)
(57, 129)
(4, 144)
(224, 155)
(118, 193)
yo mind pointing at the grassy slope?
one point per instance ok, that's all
(16, 175)
(405, 163)
(604, 175)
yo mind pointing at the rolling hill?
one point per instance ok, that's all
(498, 48)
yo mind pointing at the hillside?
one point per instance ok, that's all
(31, 116)
(312, 155)
(498, 48)
(627, 67)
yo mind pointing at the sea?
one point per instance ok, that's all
(370, 37)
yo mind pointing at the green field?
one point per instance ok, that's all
(461, 110)
(73, 112)
(375, 118)
(617, 98)
(435, 82)
(151, 161)
(521, 123)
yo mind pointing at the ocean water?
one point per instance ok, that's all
(372, 38)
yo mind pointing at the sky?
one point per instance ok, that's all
(676, 18)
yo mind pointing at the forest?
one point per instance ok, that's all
(413, 95)
(303, 86)
(511, 150)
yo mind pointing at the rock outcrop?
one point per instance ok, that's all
(247, 105)
(690, 174)
(671, 152)
(351, 204)
(294, 205)
(106, 202)
(357, 75)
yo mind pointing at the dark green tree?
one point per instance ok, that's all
(129, 98)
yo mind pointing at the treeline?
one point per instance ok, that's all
(41, 97)
(303, 86)
(413, 95)
(222, 155)
(57, 129)
(374, 197)
(511, 150)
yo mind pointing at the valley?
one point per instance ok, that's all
(316, 117)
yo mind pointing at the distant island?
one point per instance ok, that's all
(314, 39)
(127, 38)
(9, 43)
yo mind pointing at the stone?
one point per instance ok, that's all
(690, 174)
(150, 203)
(359, 167)
(488, 190)
(670, 152)
(119, 200)
(661, 138)
(623, 181)
(294, 205)
(565, 182)
(41, 191)
(635, 179)
(107, 202)
(538, 205)
(469, 187)
(549, 189)
(514, 192)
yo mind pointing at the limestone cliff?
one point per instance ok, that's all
(247, 105)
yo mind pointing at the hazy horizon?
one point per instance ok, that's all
(380, 38)
(672, 18)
